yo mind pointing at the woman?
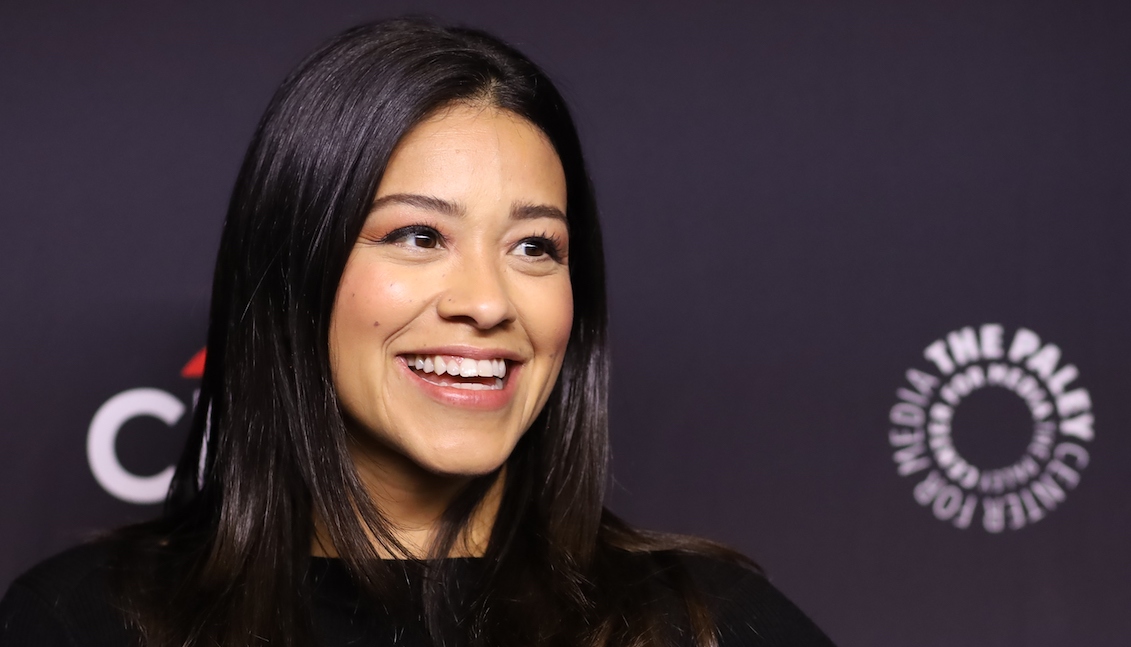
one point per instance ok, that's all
(401, 432)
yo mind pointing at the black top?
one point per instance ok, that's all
(66, 602)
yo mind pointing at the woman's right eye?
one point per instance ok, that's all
(419, 236)
(427, 241)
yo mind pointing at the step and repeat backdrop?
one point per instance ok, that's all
(870, 273)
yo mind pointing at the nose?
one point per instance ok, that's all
(477, 294)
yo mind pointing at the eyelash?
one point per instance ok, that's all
(551, 244)
(412, 230)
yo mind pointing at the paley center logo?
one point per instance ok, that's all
(1023, 492)
(102, 437)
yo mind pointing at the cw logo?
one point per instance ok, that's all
(109, 420)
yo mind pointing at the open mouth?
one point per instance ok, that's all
(458, 372)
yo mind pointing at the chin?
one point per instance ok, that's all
(466, 457)
(463, 465)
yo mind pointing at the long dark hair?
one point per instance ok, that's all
(268, 454)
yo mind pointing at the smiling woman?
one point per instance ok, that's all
(449, 262)
(401, 434)
(462, 263)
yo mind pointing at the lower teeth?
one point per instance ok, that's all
(475, 386)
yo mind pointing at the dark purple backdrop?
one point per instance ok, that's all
(799, 198)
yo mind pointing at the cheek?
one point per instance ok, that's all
(372, 304)
(553, 318)
(370, 296)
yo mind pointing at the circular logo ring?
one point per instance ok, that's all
(1023, 492)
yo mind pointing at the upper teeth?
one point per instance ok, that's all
(455, 365)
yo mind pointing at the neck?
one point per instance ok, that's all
(413, 501)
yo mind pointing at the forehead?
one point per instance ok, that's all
(467, 151)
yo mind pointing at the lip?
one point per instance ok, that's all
(464, 398)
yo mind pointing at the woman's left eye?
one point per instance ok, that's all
(537, 247)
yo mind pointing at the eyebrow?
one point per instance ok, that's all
(455, 209)
(532, 211)
(427, 202)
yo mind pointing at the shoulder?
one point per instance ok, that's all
(748, 609)
(69, 572)
(64, 600)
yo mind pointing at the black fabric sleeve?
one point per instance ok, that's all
(749, 611)
(65, 601)
(756, 613)
(27, 619)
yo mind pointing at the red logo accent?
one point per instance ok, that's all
(195, 366)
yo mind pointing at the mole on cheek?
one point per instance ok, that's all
(376, 323)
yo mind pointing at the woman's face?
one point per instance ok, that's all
(454, 309)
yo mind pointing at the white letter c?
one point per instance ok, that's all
(104, 428)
